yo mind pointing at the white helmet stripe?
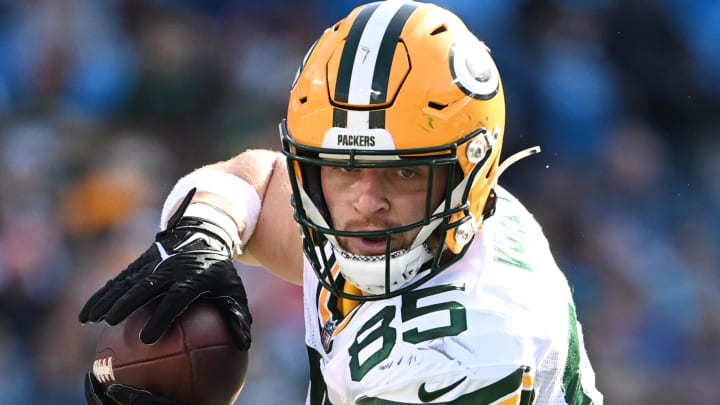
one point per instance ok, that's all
(364, 71)
(367, 52)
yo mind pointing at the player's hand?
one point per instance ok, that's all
(189, 260)
(118, 394)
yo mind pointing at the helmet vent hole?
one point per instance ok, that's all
(303, 100)
(438, 30)
(436, 106)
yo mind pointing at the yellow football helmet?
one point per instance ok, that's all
(395, 83)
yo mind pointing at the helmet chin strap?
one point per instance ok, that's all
(515, 157)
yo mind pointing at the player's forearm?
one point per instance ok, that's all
(252, 189)
(256, 168)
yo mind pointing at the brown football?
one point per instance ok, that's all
(194, 362)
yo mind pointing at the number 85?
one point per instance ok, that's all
(380, 327)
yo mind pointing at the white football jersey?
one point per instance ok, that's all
(496, 327)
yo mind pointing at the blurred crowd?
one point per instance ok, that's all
(105, 103)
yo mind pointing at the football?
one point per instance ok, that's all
(194, 362)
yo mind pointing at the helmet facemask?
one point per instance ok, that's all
(397, 269)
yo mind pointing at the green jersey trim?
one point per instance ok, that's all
(572, 376)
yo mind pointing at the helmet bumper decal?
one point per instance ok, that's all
(355, 138)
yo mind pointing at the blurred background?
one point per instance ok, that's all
(105, 103)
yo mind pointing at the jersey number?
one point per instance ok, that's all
(378, 327)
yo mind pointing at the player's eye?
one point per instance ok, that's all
(347, 169)
(407, 173)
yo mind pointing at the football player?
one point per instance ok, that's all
(424, 280)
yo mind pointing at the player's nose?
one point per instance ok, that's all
(371, 193)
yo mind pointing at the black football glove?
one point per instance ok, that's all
(191, 259)
(118, 394)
